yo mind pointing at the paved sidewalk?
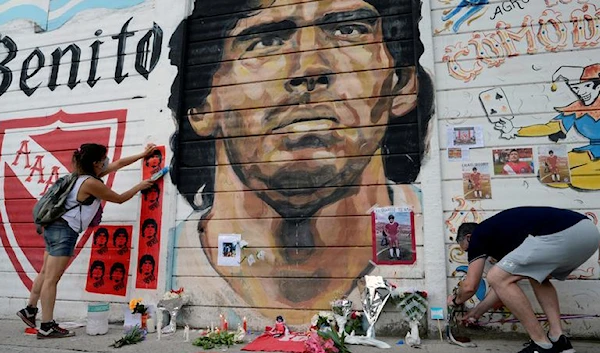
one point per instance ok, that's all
(13, 340)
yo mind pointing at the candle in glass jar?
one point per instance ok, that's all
(225, 325)
(159, 322)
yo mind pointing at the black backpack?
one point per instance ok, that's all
(52, 205)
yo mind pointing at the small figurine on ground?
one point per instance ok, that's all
(280, 328)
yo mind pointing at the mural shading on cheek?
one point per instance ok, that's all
(289, 142)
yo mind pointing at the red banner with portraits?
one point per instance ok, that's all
(150, 221)
(109, 262)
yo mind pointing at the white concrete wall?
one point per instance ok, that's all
(473, 58)
(436, 196)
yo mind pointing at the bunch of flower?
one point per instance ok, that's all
(174, 294)
(354, 323)
(136, 306)
(412, 303)
(322, 319)
(316, 344)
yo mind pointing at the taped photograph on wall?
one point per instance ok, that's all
(476, 180)
(465, 136)
(150, 221)
(393, 235)
(553, 164)
(513, 161)
(229, 251)
(108, 270)
(458, 154)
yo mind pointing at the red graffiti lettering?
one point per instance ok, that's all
(24, 149)
(52, 179)
(552, 34)
(37, 167)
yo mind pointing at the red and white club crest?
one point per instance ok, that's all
(34, 153)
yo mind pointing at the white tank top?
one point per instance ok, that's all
(80, 217)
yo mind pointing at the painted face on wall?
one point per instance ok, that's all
(587, 92)
(121, 241)
(147, 268)
(149, 231)
(97, 273)
(316, 100)
(118, 275)
(101, 239)
(153, 162)
(152, 197)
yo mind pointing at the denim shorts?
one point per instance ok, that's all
(60, 239)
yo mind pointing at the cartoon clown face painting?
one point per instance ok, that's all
(583, 82)
(582, 115)
(586, 91)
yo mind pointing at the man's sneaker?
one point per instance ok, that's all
(28, 316)
(52, 330)
(532, 347)
(563, 345)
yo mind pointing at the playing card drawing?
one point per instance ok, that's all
(496, 107)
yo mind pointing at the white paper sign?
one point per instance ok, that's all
(229, 250)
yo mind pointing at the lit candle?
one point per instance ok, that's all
(150, 325)
(225, 325)
(159, 319)
(221, 318)
(245, 324)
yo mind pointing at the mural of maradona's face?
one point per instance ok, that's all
(322, 86)
(310, 125)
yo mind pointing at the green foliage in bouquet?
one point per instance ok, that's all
(338, 340)
(133, 336)
(322, 321)
(355, 324)
(215, 339)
